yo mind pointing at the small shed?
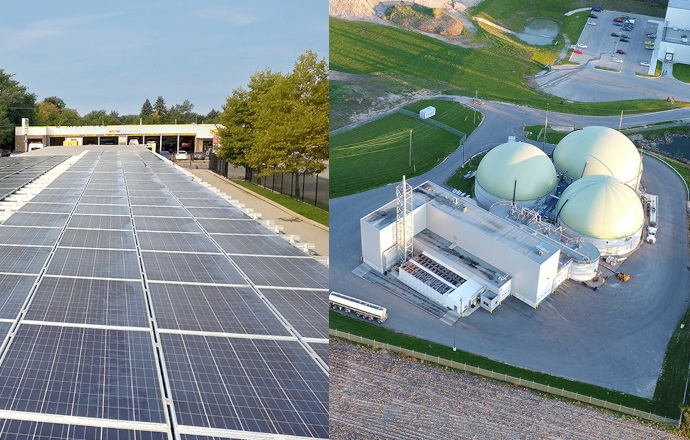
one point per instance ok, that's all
(427, 112)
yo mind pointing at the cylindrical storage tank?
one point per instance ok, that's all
(604, 211)
(598, 150)
(514, 167)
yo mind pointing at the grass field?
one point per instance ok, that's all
(458, 181)
(309, 211)
(681, 72)
(552, 136)
(453, 114)
(377, 153)
(366, 48)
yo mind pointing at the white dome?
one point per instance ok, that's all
(601, 207)
(598, 150)
(506, 163)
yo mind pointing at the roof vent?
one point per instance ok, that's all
(540, 250)
(463, 208)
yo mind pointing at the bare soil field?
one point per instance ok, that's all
(376, 395)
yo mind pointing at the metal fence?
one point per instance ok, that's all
(506, 378)
(308, 188)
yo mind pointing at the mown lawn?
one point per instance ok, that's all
(453, 114)
(458, 181)
(681, 72)
(377, 153)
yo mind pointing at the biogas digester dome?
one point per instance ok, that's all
(598, 150)
(604, 211)
(514, 166)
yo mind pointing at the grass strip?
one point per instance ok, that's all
(304, 209)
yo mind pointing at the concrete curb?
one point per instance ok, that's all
(269, 201)
(687, 190)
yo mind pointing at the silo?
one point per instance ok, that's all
(598, 150)
(514, 170)
(604, 211)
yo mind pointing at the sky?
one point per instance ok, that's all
(115, 55)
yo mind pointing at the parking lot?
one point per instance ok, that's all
(605, 50)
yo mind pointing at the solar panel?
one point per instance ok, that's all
(203, 437)
(233, 226)
(213, 309)
(219, 213)
(28, 236)
(246, 384)
(321, 349)
(102, 209)
(306, 310)
(98, 238)
(205, 203)
(97, 302)
(284, 272)
(55, 198)
(166, 224)
(100, 221)
(154, 201)
(158, 211)
(37, 219)
(95, 263)
(191, 268)
(257, 245)
(22, 259)
(30, 430)
(85, 372)
(165, 241)
(14, 289)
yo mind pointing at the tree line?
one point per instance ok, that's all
(16, 102)
(279, 122)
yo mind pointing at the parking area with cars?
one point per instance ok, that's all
(618, 41)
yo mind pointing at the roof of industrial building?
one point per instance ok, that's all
(598, 150)
(679, 4)
(517, 166)
(198, 130)
(601, 207)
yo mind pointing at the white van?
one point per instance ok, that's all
(35, 145)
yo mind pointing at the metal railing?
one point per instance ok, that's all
(505, 378)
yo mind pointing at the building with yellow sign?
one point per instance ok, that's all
(167, 137)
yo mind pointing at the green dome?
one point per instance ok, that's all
(601, 207)
(506, 163)
(603, 150)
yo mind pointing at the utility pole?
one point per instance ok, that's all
(474, 113)
(546, 123)
(455, 332)
(620, 121)
(410, 148)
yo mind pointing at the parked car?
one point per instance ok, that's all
(582, 46)
(597, 9)
(613, 34)
(650, 35)
(618, 20)
(622, 52)
(591, 23)
(624, 40)
(198, 155)
(181, 155)
(133, 142)
(617, 24)
(35, 145)
(577, 51)
(627, 28)
(616, 60)
(593, 16)
(6, 152)
(645, 63)
(166, 154)
(625, 36)
(186, 145)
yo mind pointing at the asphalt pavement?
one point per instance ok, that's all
(615, 337)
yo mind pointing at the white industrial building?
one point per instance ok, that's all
(175, 137)
(674, 40)
(463, 256)
(604, 211)
(515, 171)
(598, 150)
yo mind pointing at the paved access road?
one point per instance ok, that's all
(613, 338)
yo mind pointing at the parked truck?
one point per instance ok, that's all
(358, 306)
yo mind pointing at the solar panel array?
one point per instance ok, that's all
(135, 303)
(17, 171)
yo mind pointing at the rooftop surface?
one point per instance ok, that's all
(136, 303)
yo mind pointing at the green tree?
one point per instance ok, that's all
(212, 117)
(15, 103)
(100, 117)
(291, 121)
(69, 116)
(47, 113)
(59, 103)
(160, 108)
(236, 134)
(146, 109)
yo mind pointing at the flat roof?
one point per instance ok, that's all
(198, 130)
(678, 4)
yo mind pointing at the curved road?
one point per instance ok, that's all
(615, 337)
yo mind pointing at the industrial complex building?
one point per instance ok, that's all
(167, 137)
(675, 46)
(533, 225)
